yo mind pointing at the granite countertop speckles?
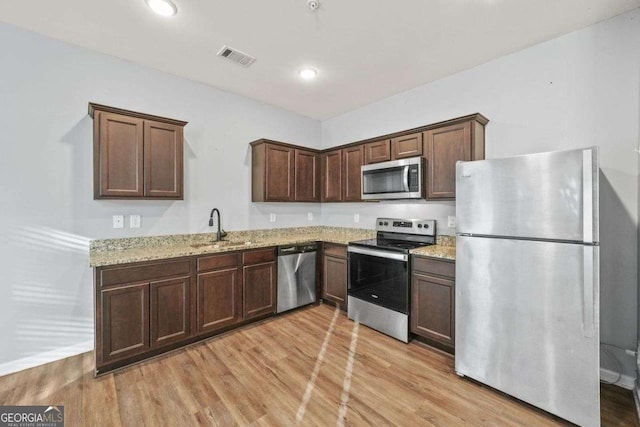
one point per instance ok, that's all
(444, 248)
(436, 251)
(135, 249)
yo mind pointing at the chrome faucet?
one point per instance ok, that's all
(219, 232)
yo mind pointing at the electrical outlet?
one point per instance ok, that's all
(272, 217)
(451, 221)
(118, 221)
(134, 221)
(356, 217)
(310, 216)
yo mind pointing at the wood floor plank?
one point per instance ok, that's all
(99, 397)
(261, 375)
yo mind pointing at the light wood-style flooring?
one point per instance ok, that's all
(309, 367)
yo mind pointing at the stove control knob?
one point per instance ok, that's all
(419, 225)
(386, 223)
(426, 226)
(380, 223)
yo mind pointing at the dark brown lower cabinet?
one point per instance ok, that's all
(259, 286)
(433, 301)
(170, 311)
(146, 308)
(334, 274)
(124, 322)
(219, 299)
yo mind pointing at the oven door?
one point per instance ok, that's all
(379, 277)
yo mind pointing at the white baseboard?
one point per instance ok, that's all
(625, 381)
(46, 357)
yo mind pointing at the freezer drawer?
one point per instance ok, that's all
(530, 327)
(544, 196)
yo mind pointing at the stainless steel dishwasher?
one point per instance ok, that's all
(296, 276)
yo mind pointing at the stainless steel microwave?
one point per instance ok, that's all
(397, 179)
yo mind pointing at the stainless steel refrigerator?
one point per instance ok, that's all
(527, 279)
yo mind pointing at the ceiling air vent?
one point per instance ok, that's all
(236, 56)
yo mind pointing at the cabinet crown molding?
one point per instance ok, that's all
(93, 107)
(477, 117)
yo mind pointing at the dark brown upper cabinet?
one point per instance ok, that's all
(377, 151)
(352, 177)
(446, 145)
(136, 155)
(289, 173)
(341, 175)
(283, 173)
(332, 176)
(400, 147)
(406, 146)
(307, 176)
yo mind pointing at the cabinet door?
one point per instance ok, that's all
(307, 180)
(218, 299)
(259, 289)
(124, 321)
(351, 187)
(334, 280)
(445, 146)
(118, 162)
(379, 151)
(432, 308)
(279, 173)
(407, 146)
(332, 176)
(170, 311)
(163, 160)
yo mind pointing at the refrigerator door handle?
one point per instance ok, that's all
(588, 300)
(587, 196)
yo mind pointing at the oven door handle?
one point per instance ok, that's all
(377, 253)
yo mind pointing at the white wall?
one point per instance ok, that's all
(47, 208)
(578, 90)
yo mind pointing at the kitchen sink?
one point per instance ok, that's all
(220, 244)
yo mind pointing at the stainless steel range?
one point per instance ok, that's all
(378, 291)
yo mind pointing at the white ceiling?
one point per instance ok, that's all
(365, 50)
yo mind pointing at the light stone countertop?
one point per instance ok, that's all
(136, 249)
(436, 251)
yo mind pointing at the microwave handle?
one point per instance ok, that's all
(406, 179)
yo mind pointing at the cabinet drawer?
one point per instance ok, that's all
(215, 262)
(140, 273)
(428, 265)
(335, 250)
(258, 257)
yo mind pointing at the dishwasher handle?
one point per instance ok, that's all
(297, 249)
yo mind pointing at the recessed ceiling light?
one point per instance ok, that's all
(162, 7)
(308, 73)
